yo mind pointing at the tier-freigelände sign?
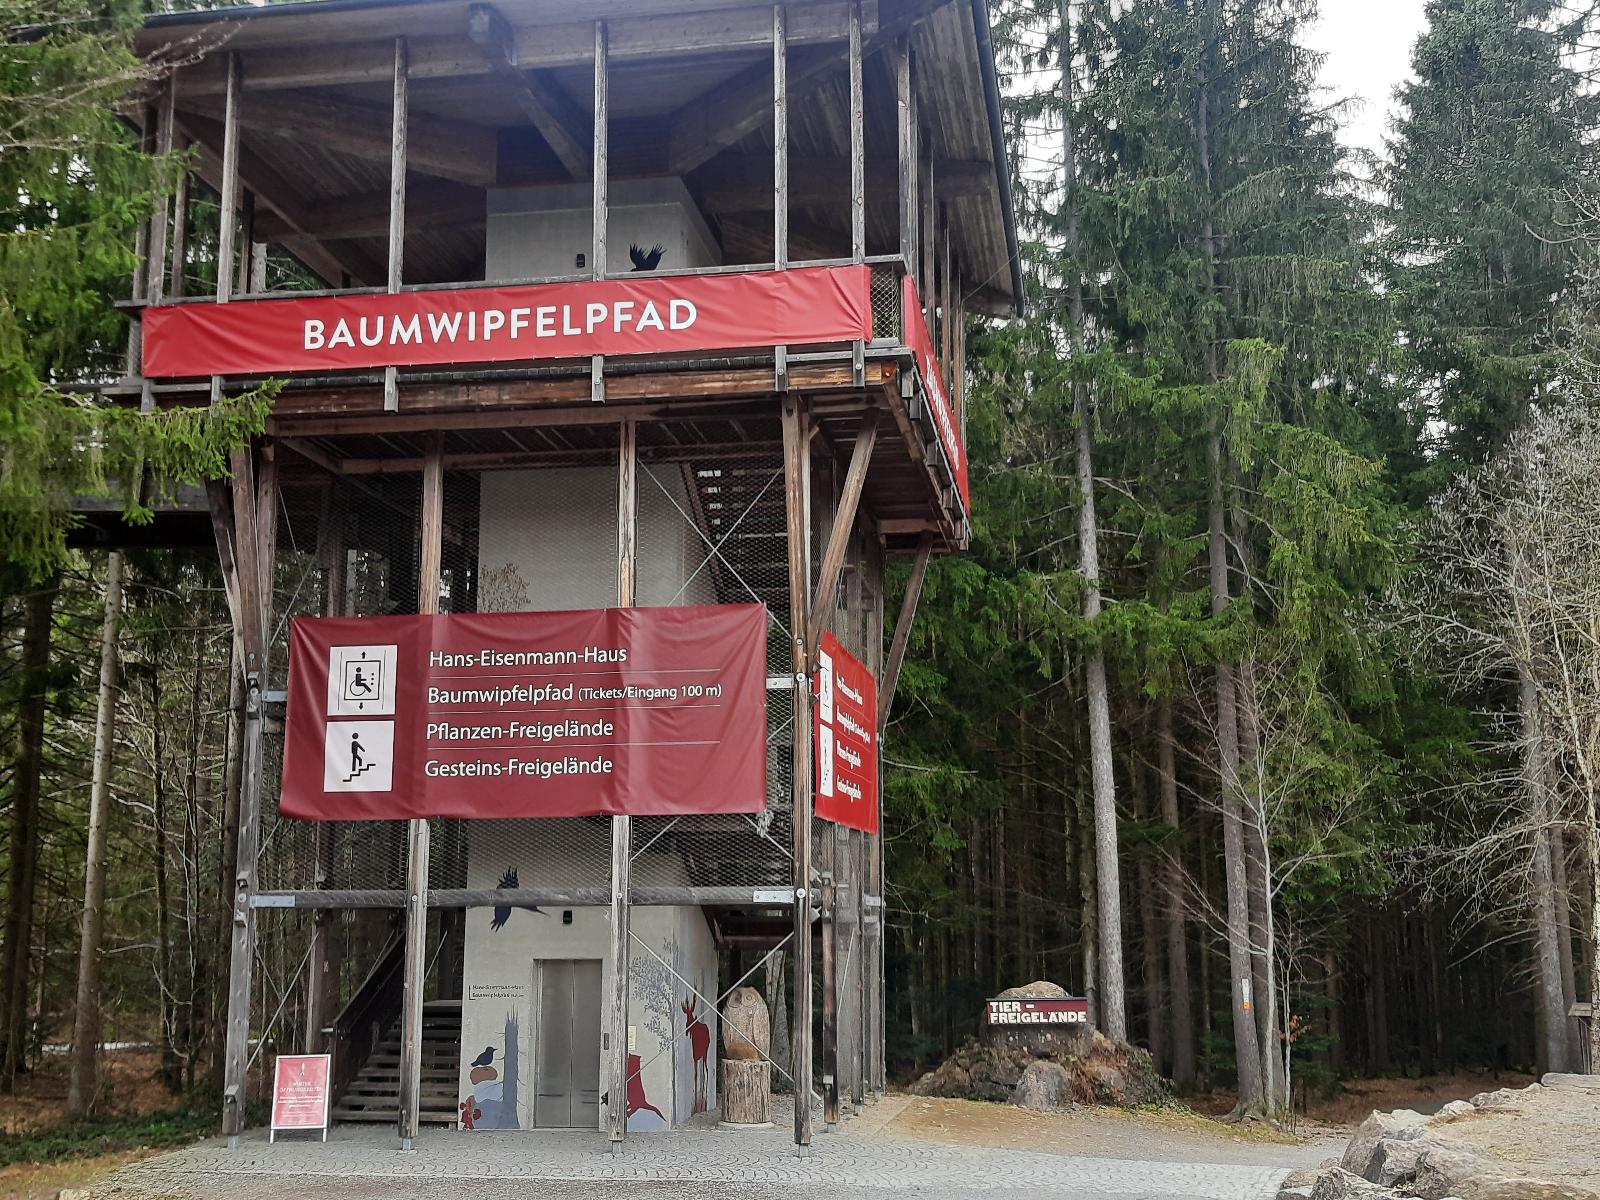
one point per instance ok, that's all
(642, 711)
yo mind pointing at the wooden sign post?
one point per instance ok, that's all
(302, 1093)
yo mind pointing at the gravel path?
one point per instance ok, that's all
(887, 1149)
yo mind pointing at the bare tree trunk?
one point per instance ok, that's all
(1552, 1011)
(1246, 1044)
(1113, 1007)
(1150, 946)
(38, 617)
(1564, 923)
(1089, 915)
(1182, 1009)
(171, 1067)
(81, 1091)
(1258, 872)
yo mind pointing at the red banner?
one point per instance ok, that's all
(844, 725)
(921, 345)
(557, 714)
(657, 314)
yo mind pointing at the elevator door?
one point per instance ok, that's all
(567, 1090)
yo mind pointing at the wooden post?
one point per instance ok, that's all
(250, 600)
(399, 116)
(180, 238)
(228, 205)
(907, 131)
(872, 867)
(780, 171)
(824, 606)
(858, 177)
(155, 260)
(902, 628)
(927, 284)
(797, 504)
(322, 973)
(616, 1040)
(84, 1083)
(602, 168)
(417, 831)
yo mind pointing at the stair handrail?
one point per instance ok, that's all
(372, 1009)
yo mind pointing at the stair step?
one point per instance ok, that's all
(390, 1116)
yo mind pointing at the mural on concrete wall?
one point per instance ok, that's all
(493, 1103)
(502, 912)
(502, 589)
(652, 989)
(699, 1035)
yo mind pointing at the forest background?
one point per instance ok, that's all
(1265, 710)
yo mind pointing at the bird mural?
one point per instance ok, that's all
(502, 912)
(484, 1059)
(646, 260)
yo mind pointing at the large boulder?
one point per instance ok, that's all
(1362, 1156)
(1045, 1086)
(1396, 1161)
(1336, 1183)
(1516, 1187)
(1444, 1169)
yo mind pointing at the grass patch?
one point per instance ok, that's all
(93, 1137)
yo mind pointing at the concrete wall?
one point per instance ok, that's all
(499, 1006)
(547, 540)
(540, 232)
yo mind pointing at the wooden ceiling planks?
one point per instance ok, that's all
(327, 144)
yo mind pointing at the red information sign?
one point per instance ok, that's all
(921, 345)
(649, 315)
(301, 1093)
(553, 714)
(845, 723)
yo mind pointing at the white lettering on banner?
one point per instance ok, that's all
(498, 324)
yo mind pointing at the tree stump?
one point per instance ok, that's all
(746, 1093)
(746, 1074)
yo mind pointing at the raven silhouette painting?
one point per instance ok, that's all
(502, 912)
(646, 260)
(484, 1059)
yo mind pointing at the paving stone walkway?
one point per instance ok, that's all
(360, 1163)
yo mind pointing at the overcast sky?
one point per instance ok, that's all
(1368, 47)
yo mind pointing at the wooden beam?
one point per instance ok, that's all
(399, 153)
(417, 840)
(858, 141)
(601, 205)
(906, 129)
(433, 203)
(622, 827)
(744, 185)
(797, 508)
(546, 106)
(709, 123)
(228, 206)
(330, 261)
(440, 146)
(844, 521)
(902, 629)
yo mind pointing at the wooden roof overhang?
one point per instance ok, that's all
(502, 95)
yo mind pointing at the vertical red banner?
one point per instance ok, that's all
(920, 342)
(845, 734)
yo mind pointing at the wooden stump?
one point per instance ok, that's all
(746, 1093)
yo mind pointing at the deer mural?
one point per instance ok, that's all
(700, 1043)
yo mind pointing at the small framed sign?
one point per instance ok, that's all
(302, 1093)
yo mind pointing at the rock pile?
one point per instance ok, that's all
(1092, 1069)
(1404, 1154)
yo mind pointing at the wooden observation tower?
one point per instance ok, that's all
(628, 304)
